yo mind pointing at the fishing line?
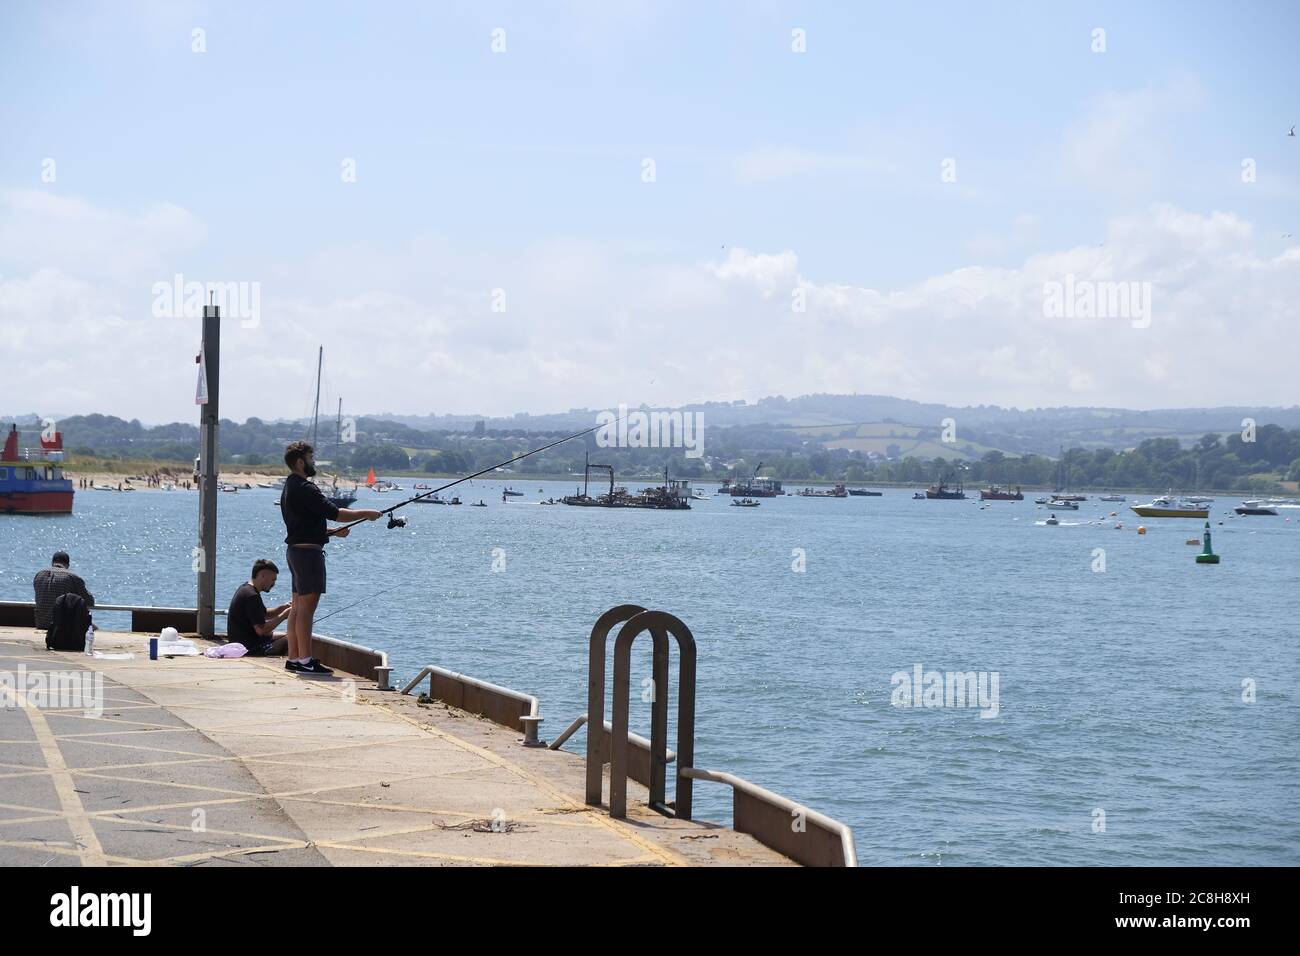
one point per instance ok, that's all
(400, 523)
(362, 601)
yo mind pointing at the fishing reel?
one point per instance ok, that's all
(396, 522)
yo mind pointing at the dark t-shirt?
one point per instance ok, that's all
(246, 612)
(305, 509)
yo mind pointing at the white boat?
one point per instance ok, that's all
(1112, 498)
(698, 495)
(1169, 506)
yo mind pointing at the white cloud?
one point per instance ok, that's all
(411, 328)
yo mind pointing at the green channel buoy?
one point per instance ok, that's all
(1207, 555)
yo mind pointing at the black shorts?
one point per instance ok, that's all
(307, 568)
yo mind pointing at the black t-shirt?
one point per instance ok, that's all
(305, 509)
(246, 612)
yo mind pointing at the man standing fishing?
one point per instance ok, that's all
(305, 510)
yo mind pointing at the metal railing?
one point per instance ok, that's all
(740, 785)
(581, 721)
(502, 705)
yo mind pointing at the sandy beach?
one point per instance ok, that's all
(139, 481)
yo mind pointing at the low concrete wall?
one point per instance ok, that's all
(773, 825)
(347, 657)
(495, 706)
(805, 836)
(17, 614)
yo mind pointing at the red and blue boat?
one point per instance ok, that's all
(34, 485)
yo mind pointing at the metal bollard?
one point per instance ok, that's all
(530, 731)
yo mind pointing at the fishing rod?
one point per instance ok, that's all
(401, 522)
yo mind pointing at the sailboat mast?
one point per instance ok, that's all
(315, 412)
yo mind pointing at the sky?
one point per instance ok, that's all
(506, 207)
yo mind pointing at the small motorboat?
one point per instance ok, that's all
(1171, 507)
(746, 503)
(509, 493)
(919, 496)
(481, 504)
(1254, 508)
(1052, 520)
(1112, 498)
(230, 489)
(454, 501)
(1066, 505)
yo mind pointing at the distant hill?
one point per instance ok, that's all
(1015, 431)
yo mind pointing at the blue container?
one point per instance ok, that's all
(153, 648)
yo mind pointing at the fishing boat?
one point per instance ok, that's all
(839, 491)
(745, 503)
(672, 495)
(1171, 507)
(941, 492)
(862, 492)
(994, 493)
(34, 486)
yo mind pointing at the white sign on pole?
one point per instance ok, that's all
(201, 393)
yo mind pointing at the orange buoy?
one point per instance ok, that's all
(1142, 529)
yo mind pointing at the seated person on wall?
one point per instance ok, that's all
(248, 622)
(52, 582)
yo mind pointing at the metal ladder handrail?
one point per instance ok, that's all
(760, 793)
(609, 729)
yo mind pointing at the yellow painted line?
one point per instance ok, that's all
(92, 854)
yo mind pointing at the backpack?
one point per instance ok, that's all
(69, 621)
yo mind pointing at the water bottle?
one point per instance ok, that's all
(90, 641)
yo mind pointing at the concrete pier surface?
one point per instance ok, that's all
(203, 762)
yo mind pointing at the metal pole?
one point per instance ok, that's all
(208, 418)
(315, 414)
